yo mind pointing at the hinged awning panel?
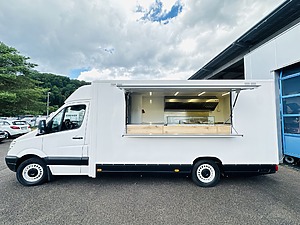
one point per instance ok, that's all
(189, 86)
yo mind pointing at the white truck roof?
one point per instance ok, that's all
(85, 92)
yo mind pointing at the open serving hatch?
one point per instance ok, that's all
(181, 108)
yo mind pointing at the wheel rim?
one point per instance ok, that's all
(33, 172)
(206, 173)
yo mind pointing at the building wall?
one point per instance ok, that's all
(265, 61)
(280, 52)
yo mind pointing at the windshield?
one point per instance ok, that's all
(19, 123)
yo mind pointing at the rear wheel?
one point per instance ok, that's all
(32, 172)
(206, 173)
(8, 134)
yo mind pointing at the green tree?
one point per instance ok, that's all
(23, 90)
(61, 87)
(19, 94)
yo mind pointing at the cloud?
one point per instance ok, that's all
(126, 74)
(174, 39)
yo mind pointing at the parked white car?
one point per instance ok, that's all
(38, 119)
(29, 120)
(14, 127)
(3, 135)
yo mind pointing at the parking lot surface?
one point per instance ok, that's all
(159, 199)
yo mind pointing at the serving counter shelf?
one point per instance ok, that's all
(184, 129)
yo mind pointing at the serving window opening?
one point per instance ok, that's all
(178, 113)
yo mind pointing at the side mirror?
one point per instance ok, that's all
(42, 127)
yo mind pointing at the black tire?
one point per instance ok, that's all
(289, 159)
(8, 134)
(32, 172)
(206, 173)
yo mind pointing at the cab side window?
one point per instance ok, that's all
(55, 124)
(68, 118)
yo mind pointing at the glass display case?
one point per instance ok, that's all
(190, 120)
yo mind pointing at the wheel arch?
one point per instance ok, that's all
(211, 158)
(25, 157)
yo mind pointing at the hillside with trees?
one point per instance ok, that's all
(23, 90)
(60, 87)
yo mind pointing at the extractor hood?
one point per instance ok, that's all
(191, 103)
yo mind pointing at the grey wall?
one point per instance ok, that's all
(280, 52)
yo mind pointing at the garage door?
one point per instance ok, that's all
(290, 111)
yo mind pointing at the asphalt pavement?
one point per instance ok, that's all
(160, 199)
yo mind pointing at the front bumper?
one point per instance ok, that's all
(11, 162)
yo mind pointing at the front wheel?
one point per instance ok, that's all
(206, 173)
(32, 172)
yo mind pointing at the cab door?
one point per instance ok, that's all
(65, 136)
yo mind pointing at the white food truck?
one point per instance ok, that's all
(204, 128)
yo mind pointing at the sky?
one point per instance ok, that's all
(132, 39)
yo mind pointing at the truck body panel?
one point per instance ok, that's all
(100, 142)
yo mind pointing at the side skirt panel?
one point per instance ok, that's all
(250, 169)
(144, 168)
(182, 168)
(68, 170)
(67, 161)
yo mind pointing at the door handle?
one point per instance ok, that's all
(77, 137)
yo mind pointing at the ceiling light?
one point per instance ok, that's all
(150, 93)
(201, 93)
(176, 93)
(227, 93)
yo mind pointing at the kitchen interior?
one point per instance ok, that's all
(178, 113)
